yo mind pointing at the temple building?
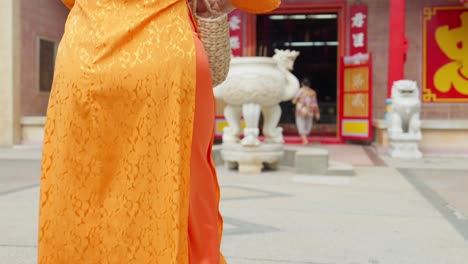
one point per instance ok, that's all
(421, 40)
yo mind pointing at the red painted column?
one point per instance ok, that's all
(397, 43)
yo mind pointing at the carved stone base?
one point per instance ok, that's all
(405, 146)
(251, 159)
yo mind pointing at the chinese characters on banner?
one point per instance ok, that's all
(358, 29)
(356, 100)
(445, 54)
(236, 25)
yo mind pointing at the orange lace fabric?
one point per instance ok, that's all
(116, 158)
(115, 182)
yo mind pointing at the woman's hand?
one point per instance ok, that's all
(217, 5)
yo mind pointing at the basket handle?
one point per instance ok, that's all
(206, 4)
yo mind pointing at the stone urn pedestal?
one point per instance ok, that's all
(405, 146)
(250, 159)
(256, 86)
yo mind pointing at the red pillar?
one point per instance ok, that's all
(397, 43)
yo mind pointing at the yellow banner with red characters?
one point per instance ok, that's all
(445, 54)
(355, 116)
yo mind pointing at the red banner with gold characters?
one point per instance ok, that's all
(236, 24)
(358, 29)
(445, 54)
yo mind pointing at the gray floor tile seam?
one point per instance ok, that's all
(20, 154)
(242, 227)
(436, 216)
(247, 179)
(258, 193)
(446, 155)
(6, 158)
(19, 189)
(246, 187)
(442, 206)
(436, 168)
(356, 181)
(455, 167)
(262, 260)
(248, 198)
(373, 155)
(448, 170)
(365, 190)
(366, 167)
(17, 246)
(268, 186)
(317, 204)
(249, 188)
(361, 191)
(231, 233)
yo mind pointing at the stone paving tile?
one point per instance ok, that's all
(18, 255)
(438, 163)
(378, 217)
(446, 190)
(270, 261)
(375, 217)
(18, 174)
(350, 154)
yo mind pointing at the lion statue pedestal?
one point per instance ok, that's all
(252, 159)
(404, 124)
(256, 85)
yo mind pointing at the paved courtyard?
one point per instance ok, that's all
(391, 211)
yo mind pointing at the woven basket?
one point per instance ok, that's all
(214, 34)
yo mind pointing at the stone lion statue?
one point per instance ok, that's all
(404, 113)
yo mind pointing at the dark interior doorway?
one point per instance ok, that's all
(315, 36)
